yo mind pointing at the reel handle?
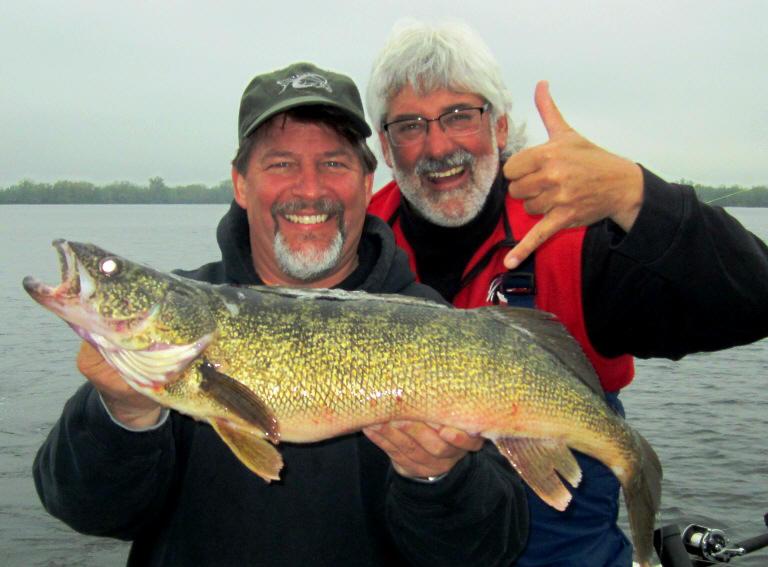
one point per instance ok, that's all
(754, 543)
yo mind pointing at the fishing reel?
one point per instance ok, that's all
(709, 543)
(713, 545)
(700, 546)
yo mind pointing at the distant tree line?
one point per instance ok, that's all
(157, 192)
(122, 192)
(733, 196)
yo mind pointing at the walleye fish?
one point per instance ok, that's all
(264, 364)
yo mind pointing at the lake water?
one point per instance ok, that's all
(706, 416)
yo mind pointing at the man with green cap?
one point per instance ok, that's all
(118, 465)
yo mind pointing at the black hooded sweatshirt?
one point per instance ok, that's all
(182, 498)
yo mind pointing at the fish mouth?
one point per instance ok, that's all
(72, 301)
(56, 298)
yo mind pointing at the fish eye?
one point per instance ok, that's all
(109, 266)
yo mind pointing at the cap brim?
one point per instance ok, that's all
(360, 125)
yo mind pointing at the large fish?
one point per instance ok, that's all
(268, 364)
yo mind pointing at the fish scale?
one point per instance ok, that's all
(263, 365)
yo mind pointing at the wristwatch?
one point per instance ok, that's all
(427, 479)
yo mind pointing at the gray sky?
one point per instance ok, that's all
(108, 91)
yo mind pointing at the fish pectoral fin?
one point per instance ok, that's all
(238, 399)
(255, 452)
(538, 462)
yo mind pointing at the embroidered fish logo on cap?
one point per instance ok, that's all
(305, 81)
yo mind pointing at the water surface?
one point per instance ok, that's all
(707, 415)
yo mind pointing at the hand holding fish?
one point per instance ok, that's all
(420, 450)
(125, 404)
(569, 180)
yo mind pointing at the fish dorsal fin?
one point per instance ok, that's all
(343, 295)
(538, 461)
(152, 368)
(255, 452)
(238, 399)
(550, 334)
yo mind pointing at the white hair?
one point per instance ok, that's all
(428, 57)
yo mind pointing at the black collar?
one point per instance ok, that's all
(442, 253)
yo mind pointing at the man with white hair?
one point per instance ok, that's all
(632, 265)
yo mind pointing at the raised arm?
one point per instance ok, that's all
(687, 277)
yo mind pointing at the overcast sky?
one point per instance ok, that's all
(108, 91)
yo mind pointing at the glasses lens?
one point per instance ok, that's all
(407, 132)
(461, 121)
(458, 122)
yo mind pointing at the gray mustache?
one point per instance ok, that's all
(431, 165)
(321, 206)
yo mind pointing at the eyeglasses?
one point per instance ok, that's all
(455, 123)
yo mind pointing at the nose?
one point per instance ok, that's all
(437, 142)
(309, 185)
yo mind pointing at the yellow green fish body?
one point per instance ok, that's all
(269, 364)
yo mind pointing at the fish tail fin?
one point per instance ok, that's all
(642, 495)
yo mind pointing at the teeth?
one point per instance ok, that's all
(448, 173)
(307, 219)
(85, 283)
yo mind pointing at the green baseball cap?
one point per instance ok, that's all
(299, 84)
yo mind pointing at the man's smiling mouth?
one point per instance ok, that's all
(307, 219)
(439, 175)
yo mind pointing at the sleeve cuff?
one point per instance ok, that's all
(164, 412)
(114, 437)
(441, 485)
(658, 222)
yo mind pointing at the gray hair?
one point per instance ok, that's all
(428, 57)
(337, 120)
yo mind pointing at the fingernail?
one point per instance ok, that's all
(511, 262)
(374, 427)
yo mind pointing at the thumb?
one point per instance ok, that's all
(550, 114)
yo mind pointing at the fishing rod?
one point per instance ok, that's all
(739, 192)
(700, 546)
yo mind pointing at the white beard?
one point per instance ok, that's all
(456, 207)
(308, 264)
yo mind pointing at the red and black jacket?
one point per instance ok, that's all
(557, 275)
